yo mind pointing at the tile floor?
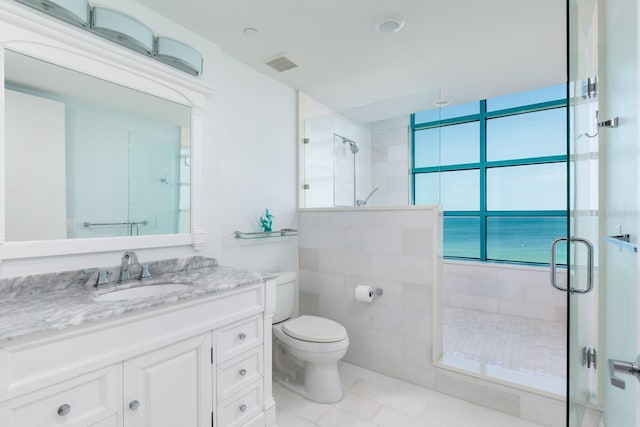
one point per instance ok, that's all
(525, 351)
(375, 400)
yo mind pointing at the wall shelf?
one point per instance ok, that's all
(622, 242)
(265, 234)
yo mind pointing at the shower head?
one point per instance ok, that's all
(352, 145)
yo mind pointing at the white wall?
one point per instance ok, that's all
(249, 163)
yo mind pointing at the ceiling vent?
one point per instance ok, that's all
(281, 63)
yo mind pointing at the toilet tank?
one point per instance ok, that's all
(286, 294)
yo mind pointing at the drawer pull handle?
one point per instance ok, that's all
(242, 372)
(242, 335)
(64, 410)
(134, 405)
(242, 408)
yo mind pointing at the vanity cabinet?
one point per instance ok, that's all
(196, 364)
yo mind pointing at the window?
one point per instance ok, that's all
(498, 169)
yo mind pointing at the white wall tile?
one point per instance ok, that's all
(321, 238)
(344, 262)
(308, 258)
(385, 317)
(404, 268)
(417, 296)
(309, 303)
(376, 241)
(417, 242)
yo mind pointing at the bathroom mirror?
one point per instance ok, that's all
(54, 194)
(89, 158)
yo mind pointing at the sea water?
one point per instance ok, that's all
(523, 239)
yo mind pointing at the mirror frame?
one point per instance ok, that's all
(30, 33)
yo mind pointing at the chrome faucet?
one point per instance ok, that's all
(129, 259)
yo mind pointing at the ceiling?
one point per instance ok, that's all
(466, 49)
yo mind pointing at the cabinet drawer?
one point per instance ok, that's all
(239, 372)
(238, 410)
(238, 338)
(91, 399)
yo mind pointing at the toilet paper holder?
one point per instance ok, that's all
(364, 293)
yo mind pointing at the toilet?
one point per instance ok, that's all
(306, 349)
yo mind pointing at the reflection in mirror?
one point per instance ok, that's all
(89, 158)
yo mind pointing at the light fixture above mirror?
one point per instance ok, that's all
(75, 12)
(123, 30)
(178, 55)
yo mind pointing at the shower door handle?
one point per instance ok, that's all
(589, 246)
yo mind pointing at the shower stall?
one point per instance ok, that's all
(335, 163)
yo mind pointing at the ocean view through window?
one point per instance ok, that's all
(498, 169)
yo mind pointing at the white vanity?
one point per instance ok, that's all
(200, 357)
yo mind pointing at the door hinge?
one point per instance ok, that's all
(211, 418)
(590, 88)
(305, 141)
(306, 186)
(589, 357)
(212, 355)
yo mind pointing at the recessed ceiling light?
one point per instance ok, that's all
(442, 102)
(250, 32)
(389, 24)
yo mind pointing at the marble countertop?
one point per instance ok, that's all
(53, 302)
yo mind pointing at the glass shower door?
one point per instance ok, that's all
(603, 171)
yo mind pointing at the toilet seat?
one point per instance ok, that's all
(314, 329)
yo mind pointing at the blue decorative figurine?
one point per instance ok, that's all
(265, 221)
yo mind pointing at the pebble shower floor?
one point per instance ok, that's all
(525, 351)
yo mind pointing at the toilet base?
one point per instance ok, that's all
(309, 389)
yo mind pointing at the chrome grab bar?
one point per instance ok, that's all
(589, 264)
(131, 225)
(94, 224)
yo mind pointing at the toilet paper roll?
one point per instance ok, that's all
(364, 293)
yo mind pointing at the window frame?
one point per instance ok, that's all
(483, 166)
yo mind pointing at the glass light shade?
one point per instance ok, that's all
(122, 29)
(179, 55)
(75, 12)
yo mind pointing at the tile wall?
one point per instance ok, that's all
(383, 248)
(397, 249)
(504, 289)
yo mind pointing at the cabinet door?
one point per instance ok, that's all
(171, 386)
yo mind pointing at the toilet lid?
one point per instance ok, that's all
(314, 329)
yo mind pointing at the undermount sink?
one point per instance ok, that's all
(144, 291)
